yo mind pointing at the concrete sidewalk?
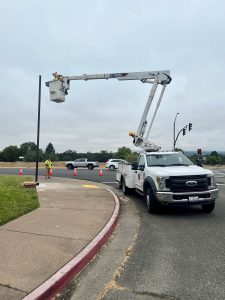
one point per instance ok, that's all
(41, 251)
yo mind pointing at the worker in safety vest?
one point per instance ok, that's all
(48, 166)
(57, 76)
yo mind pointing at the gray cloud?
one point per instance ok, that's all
(76, 37)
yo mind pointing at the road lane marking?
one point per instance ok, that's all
(90, 186)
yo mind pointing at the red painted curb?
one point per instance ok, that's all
(50, 287)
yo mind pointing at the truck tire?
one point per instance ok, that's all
(90, 167)
(151, 202)
(125, 189)
(208, 207)
(112, 168)
(70, 167)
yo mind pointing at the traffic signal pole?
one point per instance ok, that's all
(174, 131)
(189, 126)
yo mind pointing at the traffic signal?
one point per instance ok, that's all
(190, 126)
(184, 131)
(199, 151)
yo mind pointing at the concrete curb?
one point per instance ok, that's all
(50, 287)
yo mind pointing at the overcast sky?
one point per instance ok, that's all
(96, 36)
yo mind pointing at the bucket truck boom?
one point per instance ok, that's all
(59, 87)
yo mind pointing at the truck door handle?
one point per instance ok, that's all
(135, 172)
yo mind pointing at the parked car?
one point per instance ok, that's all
(112, 164)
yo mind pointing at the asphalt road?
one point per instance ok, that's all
(179, 254)
(84, 174)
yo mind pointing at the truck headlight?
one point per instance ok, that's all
(162, 183)
(211, 181)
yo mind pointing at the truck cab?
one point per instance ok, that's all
(169, 178)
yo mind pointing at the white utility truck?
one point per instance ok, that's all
(167, 178)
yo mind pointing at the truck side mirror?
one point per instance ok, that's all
(141, 167)
(134, 165)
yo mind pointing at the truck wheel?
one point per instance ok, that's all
(151, 203)
(69, 167)
(208, 207)
(125, 189)
(112, 168)
(90, 167)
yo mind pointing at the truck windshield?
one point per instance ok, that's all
(168, 159)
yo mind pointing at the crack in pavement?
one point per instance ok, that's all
(10, 287)
(46, 235)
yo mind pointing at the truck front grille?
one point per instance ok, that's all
(182, 183)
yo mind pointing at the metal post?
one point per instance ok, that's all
(38, 130)
(174, 131)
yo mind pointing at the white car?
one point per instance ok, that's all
(112, 164)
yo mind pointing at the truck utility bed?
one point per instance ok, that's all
(125, 172)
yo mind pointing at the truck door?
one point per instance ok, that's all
(140, 173)
(80, 162)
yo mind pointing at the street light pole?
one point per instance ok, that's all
(174, 131)
(38, 130)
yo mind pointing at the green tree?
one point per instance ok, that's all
(214, 153)
(67, 155)
(122, 153)
(50, 153)
(27, 147)
(213, 160)
(32, 155)
(50, 149)
(103, 156)
(1, 156)
(133, 156)
(11, 153)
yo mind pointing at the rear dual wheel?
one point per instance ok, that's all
(124, 188)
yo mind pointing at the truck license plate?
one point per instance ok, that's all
(193, 198)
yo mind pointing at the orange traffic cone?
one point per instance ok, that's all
(75, 172)
(100, 172)
(50, 172)
(21, 172)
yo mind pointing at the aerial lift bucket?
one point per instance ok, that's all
(56, 90)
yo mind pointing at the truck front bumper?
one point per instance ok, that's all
(187, 197)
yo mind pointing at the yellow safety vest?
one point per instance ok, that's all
(48, 164)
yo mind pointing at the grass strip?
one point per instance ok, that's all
(15, 200)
